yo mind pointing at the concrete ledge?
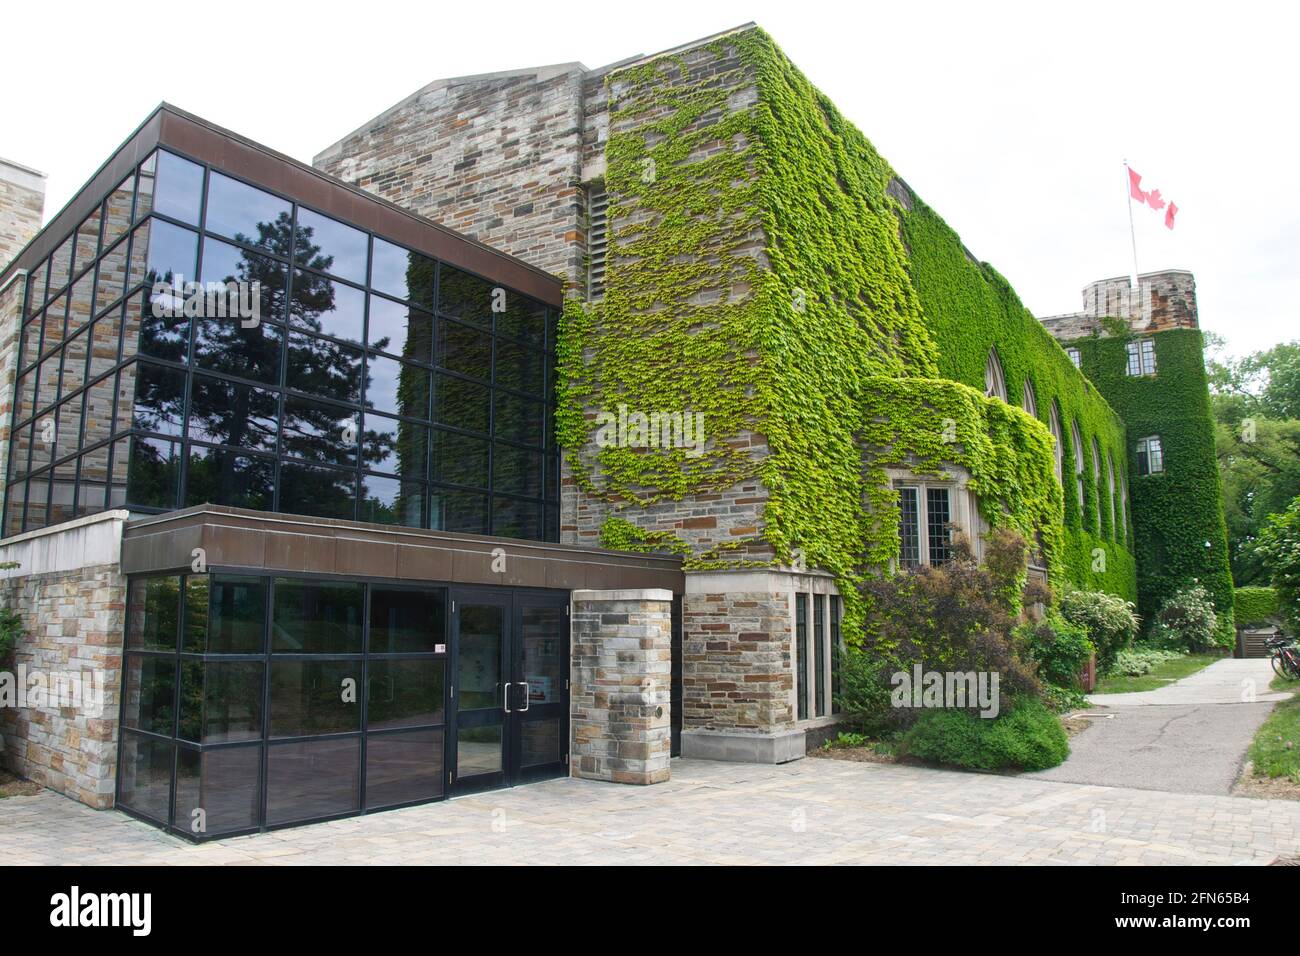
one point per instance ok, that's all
(737, 746)
(623, 594)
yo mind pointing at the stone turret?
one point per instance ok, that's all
(1163, 300)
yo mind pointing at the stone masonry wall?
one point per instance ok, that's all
(1163, 300)
(620, 694)
(74, 623)
(22, 203)
(496, 157)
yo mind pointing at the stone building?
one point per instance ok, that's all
(545, 426)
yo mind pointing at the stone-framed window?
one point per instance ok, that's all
(818, 644)
(928, 512)
(1141, 357)
(995, 383)
(1075, 357)
(1150, 456)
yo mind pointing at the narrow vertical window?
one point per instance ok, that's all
(819, 653)
(909, 528)
(801, 653)
(1151, 458)
(1075, 358)
(836, 650)
(597, 239)
(1148, 357)
(938, 514)
(1134, 360)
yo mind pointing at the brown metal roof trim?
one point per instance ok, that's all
(242, 157)
(261, 543)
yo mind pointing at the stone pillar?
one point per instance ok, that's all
(620, 694)
(22, 203)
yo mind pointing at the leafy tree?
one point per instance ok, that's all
(1279, 549)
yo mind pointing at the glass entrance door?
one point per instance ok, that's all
(511, 696)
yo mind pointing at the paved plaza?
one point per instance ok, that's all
(813, 811)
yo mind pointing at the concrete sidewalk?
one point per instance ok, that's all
(1189, 737)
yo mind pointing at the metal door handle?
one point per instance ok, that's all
(527, 702)
(505, 699)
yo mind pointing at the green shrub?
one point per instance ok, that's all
(1142, 660)
(11, 629)
(864, 691)
(1279, 548)
(1186, 621)
(1255, 605)
(1060, 649)
(1111, 622)
(1027, 736)
(1062, 699)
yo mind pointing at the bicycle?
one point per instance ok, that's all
(1286, 658)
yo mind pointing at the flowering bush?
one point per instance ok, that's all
(1111, 622)
(1186, 620)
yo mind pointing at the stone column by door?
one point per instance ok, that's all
(620, 693)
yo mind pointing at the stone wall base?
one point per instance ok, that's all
(781, 746)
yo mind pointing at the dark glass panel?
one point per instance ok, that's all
(317, 492)
(38, 502)
(396, 447)
(55, 323)
(400, 330)
(328, 307)
(396, 387)
(14, 508)
(520, 368)
(541, 742)
(144, 778)
(552, 481)
(466, 296)
(460, 459)
(220, 701)
(482, 629)
(313, 696)
(222, 345)
(313, 617)
(407, 620)
(801, 654)
(25, 395)
(87, 241)
(32, 340)
(403, 768)
(145, 183)
(330, 246)
(462, 404)
(173, 253)
(44, 434)
(117, 212)
(403, 274)
(149, 693)
(120, 466)
(179, 191)
(517, 519)
(317, 778)
(154, 473)
(61, 264)
(228, 413)
(20, 448)
(325, 368)
(225, 263)
(516, 471)
(36, 288)
(247, 214)
(63, 486)
(523, 318)
(219, 476)
(159, 399)
(224, 614)
(110, 278)
(464, 349)
(391, 501)
(462, 511)
(404, 693)
(543, 637)
(93, 481)
(158, 333)
(519, 419)
(222, 784)
(319, 431)
(47, 388)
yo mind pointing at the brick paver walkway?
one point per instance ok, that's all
(811, 811)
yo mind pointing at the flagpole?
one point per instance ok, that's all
(1132, 233)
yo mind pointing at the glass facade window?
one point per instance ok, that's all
(801, 654)
(375, 384)
(251, 701)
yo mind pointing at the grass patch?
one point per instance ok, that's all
(1161, 676)
(1275, 752)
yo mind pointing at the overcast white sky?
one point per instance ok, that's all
(1011, 120)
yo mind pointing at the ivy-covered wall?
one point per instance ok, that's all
(766, 269)
(1177, 514)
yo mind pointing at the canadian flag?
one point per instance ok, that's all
(1151, 197)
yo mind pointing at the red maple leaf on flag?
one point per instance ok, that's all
(1154, 200)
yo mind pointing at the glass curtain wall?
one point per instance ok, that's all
(338, 375)
(257, 701)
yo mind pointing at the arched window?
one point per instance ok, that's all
(1055, 427)
(995, 385)
(1027, 401)
(1077, 440)
(1096, 478)
(1116, 526)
